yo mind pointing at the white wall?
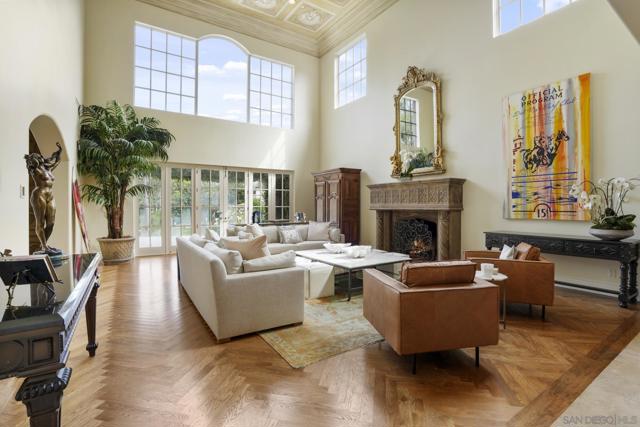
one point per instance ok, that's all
(454, 39)
(41, 73)
(202, 140)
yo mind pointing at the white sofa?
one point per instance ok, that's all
(239, 304)
(276, 246)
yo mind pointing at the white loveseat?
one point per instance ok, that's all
(238, 304)
(276, 246)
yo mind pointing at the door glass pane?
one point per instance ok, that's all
(260, 196)
(150, 212)
(181, 198)
(236, 203)
(209, 209)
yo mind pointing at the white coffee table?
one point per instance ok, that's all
(376, 258)
(497, 279)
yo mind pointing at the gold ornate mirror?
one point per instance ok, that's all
(418, 126)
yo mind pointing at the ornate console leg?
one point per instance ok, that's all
(623, 297)
(90, 314)
(42, 396)
(633, 282)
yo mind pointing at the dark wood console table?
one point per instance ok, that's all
(626, 252)
(36, 331)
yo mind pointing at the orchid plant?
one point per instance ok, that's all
(605, 201)
(414, 158)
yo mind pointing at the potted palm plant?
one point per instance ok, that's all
(116, 150)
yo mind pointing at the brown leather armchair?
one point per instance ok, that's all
(529, 282)
(431, 318)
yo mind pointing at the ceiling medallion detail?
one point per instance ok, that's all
(267, 7)
(310, 16)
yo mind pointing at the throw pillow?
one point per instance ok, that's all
(334, 235)
(243, 235)
(303, 231)
(271, 262)
(198, 240)
(318, 231)
(508, 252)
(289, 235)
(255, 229)
(527, 252)
(232, 260)
(233, 230)
(212, 235)
(438, 273)
(249, 249)
(271, 231)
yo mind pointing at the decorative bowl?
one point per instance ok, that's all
(611, 234)
(358, 251)
(336, 248)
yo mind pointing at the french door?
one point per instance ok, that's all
(184, 200)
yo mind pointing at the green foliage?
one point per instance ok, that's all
(615, 222)
(118, 149)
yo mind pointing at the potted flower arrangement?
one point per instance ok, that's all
(414, 158)
(605, 201)
(116, 149)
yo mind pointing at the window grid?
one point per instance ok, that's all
(150, 211)
(210, 211)
(260, 195)
(236, 202)
(351, 73)
(283, 201)
(181, 203)
(165, 70)
(408, 121)
(512, 14)
(270, 93)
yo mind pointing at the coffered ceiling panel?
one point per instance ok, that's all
(309, 26)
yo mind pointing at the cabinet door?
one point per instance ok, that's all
(333, 202)
(320, 201)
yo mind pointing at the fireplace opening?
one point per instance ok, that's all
(415, 237)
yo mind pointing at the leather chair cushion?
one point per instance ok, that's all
(526, 252)
(437, 273)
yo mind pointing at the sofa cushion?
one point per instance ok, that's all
(318, 231)
(250, 249)
(245, 235)
(335, 235)
(198, 240)
(212, 234)
(271, 231)
(310, 244)
(303, 231)
(507, 252)
(289, 235)
(232, 260)
(272, 262)
(233, 230)
(437, 273)
(278, 248)
(527, 252)
(254, 229)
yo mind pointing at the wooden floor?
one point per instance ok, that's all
(158, 365)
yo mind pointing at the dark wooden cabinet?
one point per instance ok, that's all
(337, 199)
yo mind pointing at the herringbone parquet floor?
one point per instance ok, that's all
(158, 365)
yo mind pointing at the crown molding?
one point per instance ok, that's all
(358, 13)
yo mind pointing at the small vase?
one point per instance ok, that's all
(610, 234)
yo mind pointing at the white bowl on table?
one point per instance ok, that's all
(357, 251)
(336, 248)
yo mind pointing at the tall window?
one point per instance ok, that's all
(222, 79)
(236, 203)
(168, 71)
(511, 14)
(181, 201)
(283, 201)
(210, 214)
(409, 121)
(165, 70)
(351, 73)
(271, 93)
(150, 212)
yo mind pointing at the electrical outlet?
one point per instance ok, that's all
(22, 191)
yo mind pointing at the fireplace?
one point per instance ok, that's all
(416, 237)
(420, 218)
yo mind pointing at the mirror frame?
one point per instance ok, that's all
(416, 78)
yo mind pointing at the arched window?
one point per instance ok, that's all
(222, 79)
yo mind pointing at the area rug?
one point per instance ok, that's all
(331, 326)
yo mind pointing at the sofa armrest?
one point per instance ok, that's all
(381, 305)
(481, 254)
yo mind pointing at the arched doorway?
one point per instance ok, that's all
(43, 136)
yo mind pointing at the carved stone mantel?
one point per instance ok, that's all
(439, 200)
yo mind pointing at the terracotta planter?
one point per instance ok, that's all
(611, 234)
(116, 251)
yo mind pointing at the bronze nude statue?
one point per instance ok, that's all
(42, 201)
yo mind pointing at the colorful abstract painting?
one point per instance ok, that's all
(546, 132)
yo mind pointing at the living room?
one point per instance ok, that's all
(340, 154)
